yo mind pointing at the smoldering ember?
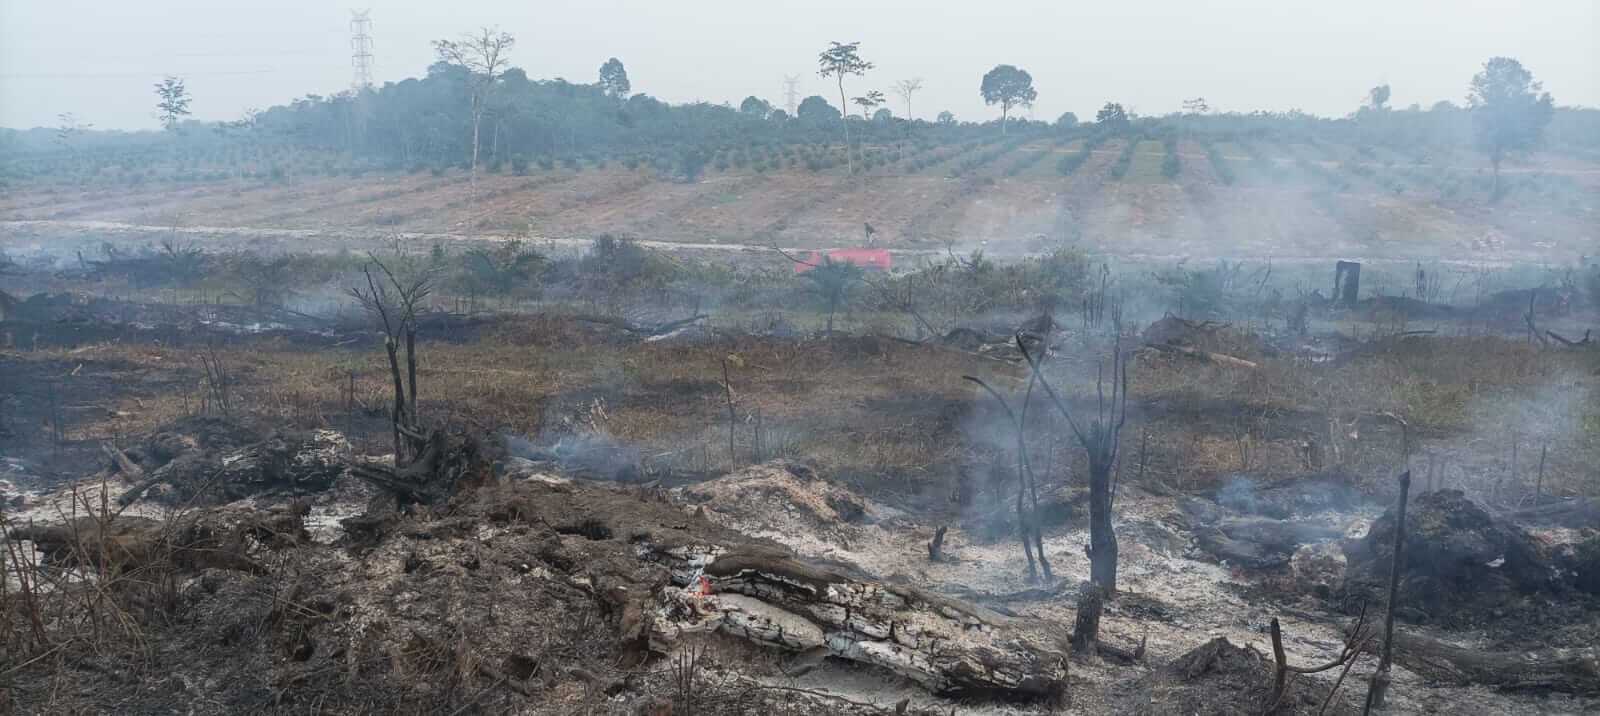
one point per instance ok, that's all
(482, 392)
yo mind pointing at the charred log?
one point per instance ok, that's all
(943, 644)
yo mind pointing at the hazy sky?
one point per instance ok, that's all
(98, 58)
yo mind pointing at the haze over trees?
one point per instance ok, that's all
(458, 115)
(1008, 87)
(1509, 111)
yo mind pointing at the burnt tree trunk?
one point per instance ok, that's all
(1102, 538)
(411, 372)
(1086, 625)
(1380, 680)
(1573, 670)
(398, 414)
(943, 644)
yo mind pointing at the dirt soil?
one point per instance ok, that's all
(1193, 215)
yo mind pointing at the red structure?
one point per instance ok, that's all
(868, 259)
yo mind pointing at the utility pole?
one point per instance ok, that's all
(361, 49)
(791, 92)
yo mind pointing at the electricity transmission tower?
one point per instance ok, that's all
(791, 93)
(361, 49)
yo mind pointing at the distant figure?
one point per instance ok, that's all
(870, 232)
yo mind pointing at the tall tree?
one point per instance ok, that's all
(906, 88)
(946, 117)
(1378, 97)
(1509, 111)
(484, 56)
(1067, 120)
(172, 102)
(1008, 86)
(838, 61)
(614, 80)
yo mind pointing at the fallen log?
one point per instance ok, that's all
(1571, 513)
(945, 645)
(1573, 670)
(1217, 358)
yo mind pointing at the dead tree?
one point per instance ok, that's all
(394, 301)
(1380, 679)
(1100, 441)
(1027, 519)
(1355, 641)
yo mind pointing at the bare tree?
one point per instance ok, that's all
(1027, 518)
(393, 299)
(1100, 441)
(485, 57)
(906, 88)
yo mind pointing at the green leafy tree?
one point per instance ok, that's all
(1112, 117)
(882, 115)
(839, 61)
(1378, 97)
(1008, 87)
(816, 109)
(1509, 111)
(1067, 120)
(614, 80)
(756, 106)
(832, 280)
(946, 117)
(172, 102)
(867, 101)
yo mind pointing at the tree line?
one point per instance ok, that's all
(475, 105)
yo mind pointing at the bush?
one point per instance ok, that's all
(519, 165)
(1170, 164)
(1219, 164)
(495, 165)
(547, 163)
(437, 171)
(1125, 159)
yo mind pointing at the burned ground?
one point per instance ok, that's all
(265, 562)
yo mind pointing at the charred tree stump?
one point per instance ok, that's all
(936, 547)
(1086, 625)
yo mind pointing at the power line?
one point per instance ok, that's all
(791, 95)
(92, 75)
(361, 49)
